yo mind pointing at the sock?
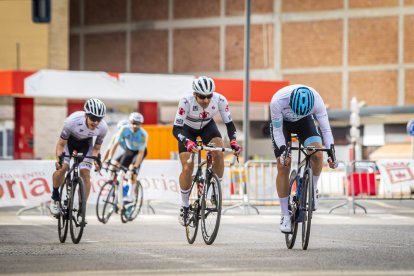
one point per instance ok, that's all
(284, 201)
(315, 179)
(55, 193)
(185, 196)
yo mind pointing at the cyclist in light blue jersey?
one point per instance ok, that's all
(134, 138)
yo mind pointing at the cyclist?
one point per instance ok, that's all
(294, 109)
(134, 139)
(195, 118)
(77, 135)
(120, 124)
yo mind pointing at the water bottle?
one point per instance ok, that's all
(125, 189)
(298, 186)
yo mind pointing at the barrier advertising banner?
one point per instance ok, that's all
(397, 177)
(29, 183)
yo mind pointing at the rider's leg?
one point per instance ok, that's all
(86, 176)
(58, 178)
(282, 186)
(317, 164)
(185, 178)
(218, 157)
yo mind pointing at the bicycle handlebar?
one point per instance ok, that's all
(80, 154)
(207, 148)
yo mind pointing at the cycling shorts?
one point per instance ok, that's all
(81, 146)
(305, 128)
(207, 133)
(129, 157)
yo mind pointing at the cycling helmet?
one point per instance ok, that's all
(136, 117)
(204, 85)
(95, 107)
(302, 101)
(122, 123)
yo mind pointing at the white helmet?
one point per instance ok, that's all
(204, 85)
(95, 107)
(136, 117)
(122, 123)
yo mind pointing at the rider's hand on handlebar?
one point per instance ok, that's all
(236, 147)
(59, 161)
(191, 146)
(285, 158)
(333, 164)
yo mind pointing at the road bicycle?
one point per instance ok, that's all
(72, 200)
(301, 196)
(111, 198)
(205, 197)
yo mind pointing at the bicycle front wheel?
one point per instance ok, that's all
(106, 202)
(77, 210)
(307, 207)
(293, 207)
(194, 214)
(211, 209)
(63, 218)
(134, 209)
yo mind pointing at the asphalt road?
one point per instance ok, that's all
(378, 243)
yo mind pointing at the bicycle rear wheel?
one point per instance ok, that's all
(293, 207)
(134, 209)
(211, 209)
(106, 203)
(63, 218)
(307, 206)
(194, 214)
(77, 209)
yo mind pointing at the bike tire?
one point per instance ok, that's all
(101, 201)
(138, 201)
(293, 206)
(63, 218)
(77, 210)
(307, 207)
(109, 202)
(211, 210)
(194, 214)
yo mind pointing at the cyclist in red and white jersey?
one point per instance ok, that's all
(77, 135)
(194, 118)
(294, 109)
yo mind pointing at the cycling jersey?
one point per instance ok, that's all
(133, 141)
(75, 126)
(79, 137)
(281, 112)
(195, 116)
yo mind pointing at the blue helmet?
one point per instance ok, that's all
(302, 101)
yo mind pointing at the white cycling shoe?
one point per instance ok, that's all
(285, 224)
(54, 207)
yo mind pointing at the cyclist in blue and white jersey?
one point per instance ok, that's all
(294, 109)
(194, 118)
(133, 138)
(120, 124)
(77, 135)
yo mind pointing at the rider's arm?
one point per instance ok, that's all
(226, 117)
(277, 124)
(322, 116)
(60, 147)
(139, 159)
(183, 109)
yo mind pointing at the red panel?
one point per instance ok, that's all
(150, 112)
(23, 131)
(12, 82)
(363, 183)
(260, 91)
(75, 105)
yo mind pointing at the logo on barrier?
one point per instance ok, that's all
(399, 172)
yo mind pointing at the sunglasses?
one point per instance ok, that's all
(94, 118)
(135, 123)
(202, 97)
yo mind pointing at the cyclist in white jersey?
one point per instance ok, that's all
(77, 135)
(294, 109)
(195, 118)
